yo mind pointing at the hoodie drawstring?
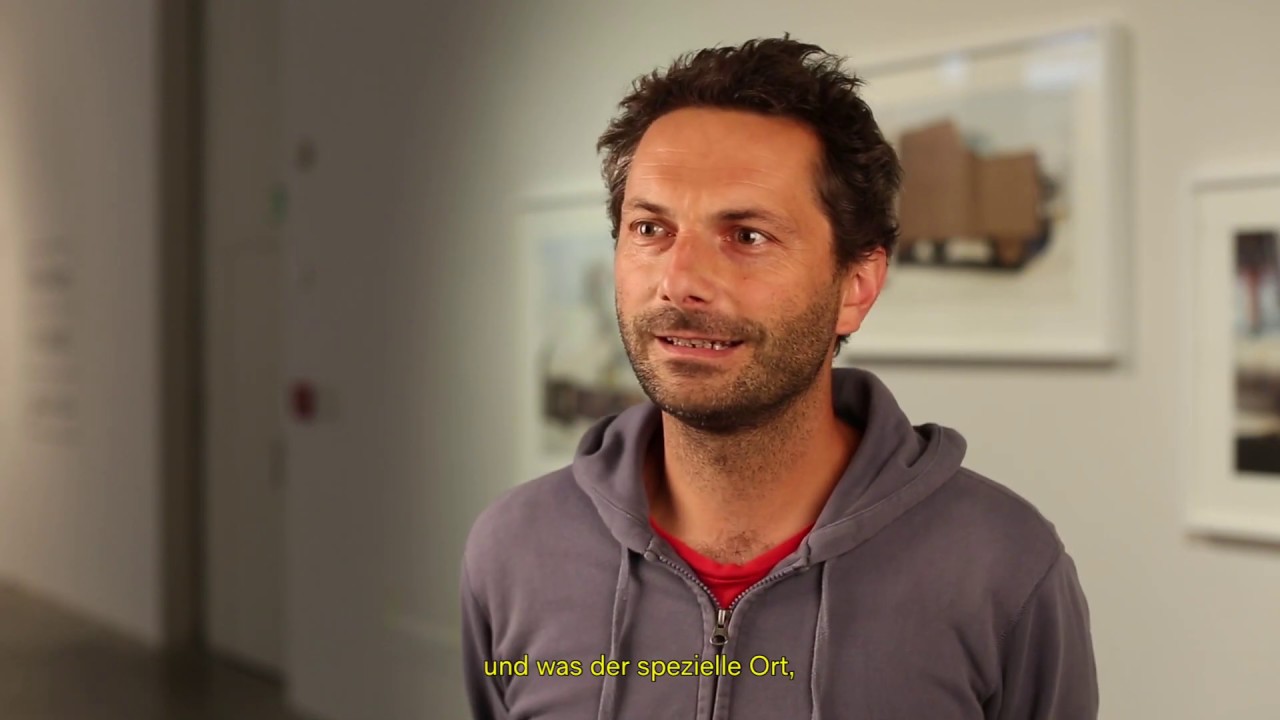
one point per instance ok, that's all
(820, 632)
(621, 597)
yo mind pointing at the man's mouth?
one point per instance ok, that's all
(705, 343)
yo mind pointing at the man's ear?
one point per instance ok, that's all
(860, 285)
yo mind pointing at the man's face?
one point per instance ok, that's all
(723, 238)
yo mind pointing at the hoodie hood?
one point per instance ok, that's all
(896, 466)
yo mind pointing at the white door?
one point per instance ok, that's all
(244, 453)
(371, 601)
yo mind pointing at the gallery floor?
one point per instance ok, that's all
(56, 666)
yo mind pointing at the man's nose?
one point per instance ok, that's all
(689, 274)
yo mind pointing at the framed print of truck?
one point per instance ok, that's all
(1012, 244)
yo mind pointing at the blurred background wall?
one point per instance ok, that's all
(402, 133)
(79, 319)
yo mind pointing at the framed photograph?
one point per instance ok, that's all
(1234, 347)
(1013, 244)
(575, 368)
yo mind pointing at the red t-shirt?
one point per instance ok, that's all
(727, 581)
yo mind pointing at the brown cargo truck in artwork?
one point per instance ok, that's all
(952, 198)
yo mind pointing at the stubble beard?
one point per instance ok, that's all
(784, 364)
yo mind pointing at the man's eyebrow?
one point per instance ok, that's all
(738, 215)
(649, 207)
(734, 215)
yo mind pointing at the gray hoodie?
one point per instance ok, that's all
(924, 591)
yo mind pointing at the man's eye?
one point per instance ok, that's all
(647, 229)
(747, 236)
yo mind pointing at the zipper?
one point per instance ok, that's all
(720, 634)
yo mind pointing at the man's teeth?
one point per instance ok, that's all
(684, 342)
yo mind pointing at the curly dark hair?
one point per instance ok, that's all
(858, 175)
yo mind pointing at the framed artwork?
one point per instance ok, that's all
(1012, 243)
(1233, 345)
(575, 369)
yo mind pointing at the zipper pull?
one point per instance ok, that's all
(720, 635)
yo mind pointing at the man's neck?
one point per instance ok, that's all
(732, 497)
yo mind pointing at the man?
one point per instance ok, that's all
(769, 537)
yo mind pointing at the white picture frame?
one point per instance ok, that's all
(1232, 480)
(1057, 96)
(569, 336)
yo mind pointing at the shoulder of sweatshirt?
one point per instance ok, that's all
(1001, 518)
(531, 526)
(998, 545)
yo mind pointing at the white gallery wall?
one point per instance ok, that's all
(427, 119)
(79, 390)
